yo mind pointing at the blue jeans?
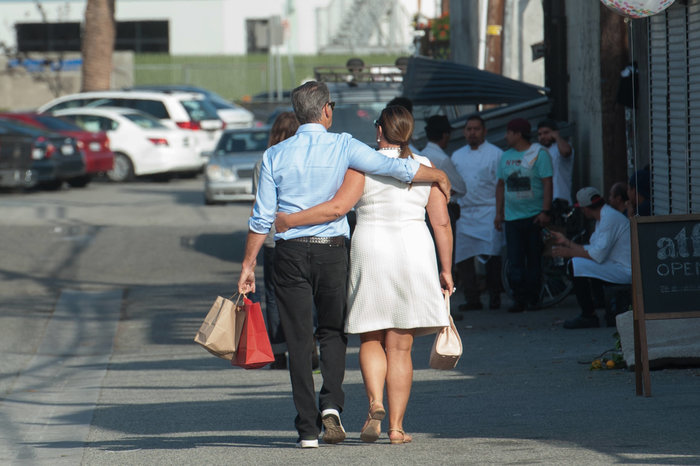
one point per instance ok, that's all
(524, 252)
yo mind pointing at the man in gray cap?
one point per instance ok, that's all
(604, 261)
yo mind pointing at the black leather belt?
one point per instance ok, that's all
(328, 240)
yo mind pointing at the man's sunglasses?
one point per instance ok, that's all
(332, 104)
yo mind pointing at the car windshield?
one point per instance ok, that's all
(243, 141)
(144, 121)
(357, 120)
(57, 124)
(22, 127)
(219, 102)
(200, 109)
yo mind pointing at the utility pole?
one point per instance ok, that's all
(556, 74)
(494, 36)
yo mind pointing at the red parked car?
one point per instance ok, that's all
(98, 157)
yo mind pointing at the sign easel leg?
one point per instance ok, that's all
(641, 358)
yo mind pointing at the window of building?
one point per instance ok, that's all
(139, 36)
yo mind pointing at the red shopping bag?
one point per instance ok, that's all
(254, 350)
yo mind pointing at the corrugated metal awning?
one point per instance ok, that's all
(441, 82)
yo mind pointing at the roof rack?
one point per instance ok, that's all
(356, 71)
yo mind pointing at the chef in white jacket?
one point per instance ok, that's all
(476, 236)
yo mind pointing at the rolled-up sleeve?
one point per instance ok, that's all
(265, 200)
(600, 246)
(367, 160)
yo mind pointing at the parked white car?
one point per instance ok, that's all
(233, 115)
(186, 110)
(141, 144)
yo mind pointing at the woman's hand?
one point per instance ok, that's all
(281, 224)
(447, 283)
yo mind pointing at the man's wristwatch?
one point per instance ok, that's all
(548, 212)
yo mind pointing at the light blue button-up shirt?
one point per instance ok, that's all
(307, 169)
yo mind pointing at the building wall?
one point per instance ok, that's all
(585, 112)
(201, 27)
(22, 90)
(523, 27)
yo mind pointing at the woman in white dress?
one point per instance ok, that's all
(394, 290)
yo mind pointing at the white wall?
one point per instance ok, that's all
(197, 27)
(583, 26)
(523, 26)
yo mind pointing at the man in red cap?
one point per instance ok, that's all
(523, 203)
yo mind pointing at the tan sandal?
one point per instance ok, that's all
(373, 425)
(405, 438)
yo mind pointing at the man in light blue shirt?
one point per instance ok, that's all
(311, 261)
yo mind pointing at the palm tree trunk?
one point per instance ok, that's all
(98, 44)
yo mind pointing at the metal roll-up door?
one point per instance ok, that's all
(678, 108)
(658, 113)
(672, 88)
(694, 105)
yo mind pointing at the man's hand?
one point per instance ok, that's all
(498, 222)
(433, 175)
(542, 219)
(246, 282)
(281, 224)
(445, 186)
(559, 238)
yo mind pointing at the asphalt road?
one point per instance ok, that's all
(103, 288)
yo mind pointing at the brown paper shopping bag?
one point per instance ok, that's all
(220, 332)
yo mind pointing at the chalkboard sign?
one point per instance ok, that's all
(669, 263)
(665, 278)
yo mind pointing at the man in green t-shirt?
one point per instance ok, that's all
(523, 203)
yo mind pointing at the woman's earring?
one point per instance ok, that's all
(378, 140)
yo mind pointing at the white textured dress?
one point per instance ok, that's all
(394, 280)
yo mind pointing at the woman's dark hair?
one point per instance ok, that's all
(285, 126)
(619, 189)
(397, 127)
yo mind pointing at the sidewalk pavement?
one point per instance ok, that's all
(522, 393)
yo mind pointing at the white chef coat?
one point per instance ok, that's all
(476, 234)
(441, 160)
(562, 171)
(610, 249)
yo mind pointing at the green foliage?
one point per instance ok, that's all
(236, 77)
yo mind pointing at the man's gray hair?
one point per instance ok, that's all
(308, 101)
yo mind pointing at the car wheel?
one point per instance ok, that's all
(123, 169)
(52, 185)
(80, 181)
(162, 177)
(189, 175)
